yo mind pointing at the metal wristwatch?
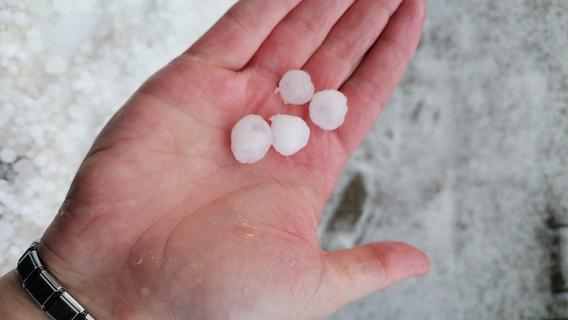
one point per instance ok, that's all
(45, 290)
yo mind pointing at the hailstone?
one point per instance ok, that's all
(296, 87)
(251, 138)
(290, 134)
(328, 109)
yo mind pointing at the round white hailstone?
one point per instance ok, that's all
(23, 166)
(251, 138)
(9, 50)
(296, 87)
(6, 231)
(8, 155)
(328, 109)
(55, 65)
(40, 160)
(290, 134)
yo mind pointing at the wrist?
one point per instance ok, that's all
(15, 304)
(95, 296)
(44, 294)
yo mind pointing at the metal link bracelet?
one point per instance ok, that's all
(45, 290)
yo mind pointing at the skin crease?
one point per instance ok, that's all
(161, 222)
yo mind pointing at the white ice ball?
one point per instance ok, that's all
(290, 134)
(328, 109)
(251, 138)
(296, 87)
(55, 65)
(8, 155)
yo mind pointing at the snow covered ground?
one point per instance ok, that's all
(469, 160)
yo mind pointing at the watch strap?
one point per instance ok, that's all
(45, 290)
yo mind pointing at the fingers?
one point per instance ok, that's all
(296, 38)
(348, 41)
(375, 79)
(234, 39)
(355, 273)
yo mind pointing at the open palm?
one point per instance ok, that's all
(162, 223)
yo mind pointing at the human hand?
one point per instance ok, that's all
(162, 223)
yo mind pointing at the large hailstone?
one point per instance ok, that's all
(290, 134)
(296, 87)
(251, 138)
(328, 109)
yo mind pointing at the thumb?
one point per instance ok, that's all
(354, 273)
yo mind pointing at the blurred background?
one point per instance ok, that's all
(469, 161)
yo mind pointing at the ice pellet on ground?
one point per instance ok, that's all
(23, 166)
(290, 134)
(251, 138)
(8, 155)
(328, 109)
(55, 65)
(296, 87)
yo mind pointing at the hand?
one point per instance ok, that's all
(162, 223)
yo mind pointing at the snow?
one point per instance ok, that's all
(8, 155)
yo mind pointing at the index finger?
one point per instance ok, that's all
(234, 39)
(373, 82)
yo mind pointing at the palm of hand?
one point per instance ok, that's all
(162, 222)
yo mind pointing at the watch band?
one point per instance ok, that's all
(45, 290)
